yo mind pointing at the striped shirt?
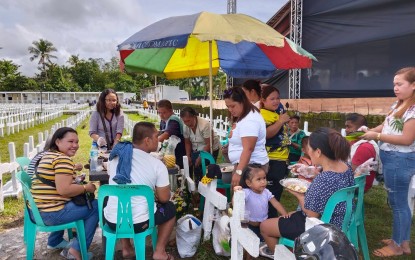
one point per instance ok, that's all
(46, 197)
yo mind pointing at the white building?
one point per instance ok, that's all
(55, 97)
(156, 93)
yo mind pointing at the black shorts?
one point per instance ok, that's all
(293, 226)
(164, 213)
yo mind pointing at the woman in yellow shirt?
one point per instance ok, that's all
(277, 142)
(54, 185)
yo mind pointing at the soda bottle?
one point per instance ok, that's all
(93, 155)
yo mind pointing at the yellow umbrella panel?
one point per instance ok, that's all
(175, 63)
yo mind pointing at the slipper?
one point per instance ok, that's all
(265, 252)
(63, 244)
(169, 257)
(389, 241)
(386, 251)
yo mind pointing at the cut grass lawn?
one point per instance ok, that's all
(378, 216)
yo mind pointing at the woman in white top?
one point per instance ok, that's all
(247, 135)
(397, 152)
(197, 134)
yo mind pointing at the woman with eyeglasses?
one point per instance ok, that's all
(197, 134)
(247, 135)
(107, 122)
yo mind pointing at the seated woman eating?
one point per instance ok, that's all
(329, 149)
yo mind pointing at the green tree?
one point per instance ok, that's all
(10, 77)
(42, 50)
(87, 75)
(74, 60)
(59, 79)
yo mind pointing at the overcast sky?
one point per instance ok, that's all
(94, 28)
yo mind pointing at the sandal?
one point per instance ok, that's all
(386, 251)
(169, 257)
(389, 241)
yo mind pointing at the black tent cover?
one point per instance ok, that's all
(359, 45)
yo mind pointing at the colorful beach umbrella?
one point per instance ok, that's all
(199, 44)
(191, 45)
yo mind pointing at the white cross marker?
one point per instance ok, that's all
(190, 183)
(241, 237)
(213, 199)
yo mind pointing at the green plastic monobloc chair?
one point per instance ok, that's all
(31, 228)
(23, 162)
(125, 224)
(227, 186)
(357, 227)
(342, 195)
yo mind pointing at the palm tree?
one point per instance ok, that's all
(42, 50)
(74, 60)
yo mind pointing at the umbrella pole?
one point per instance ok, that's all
(210, 97)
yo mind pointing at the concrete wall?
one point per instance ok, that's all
(364, 106)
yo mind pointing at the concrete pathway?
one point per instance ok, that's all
(12, 246)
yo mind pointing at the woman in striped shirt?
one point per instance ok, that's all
(54, 202)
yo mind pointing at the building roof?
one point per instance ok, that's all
(281, 20)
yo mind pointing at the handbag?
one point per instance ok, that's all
(83, 199)
(107, 138)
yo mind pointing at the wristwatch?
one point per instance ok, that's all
(239, 172)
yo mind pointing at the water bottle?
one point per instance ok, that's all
(93, 155)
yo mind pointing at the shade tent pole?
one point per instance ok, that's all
(210, 96)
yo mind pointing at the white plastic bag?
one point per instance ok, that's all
(366, 167)
(188, 233)
(221, 236)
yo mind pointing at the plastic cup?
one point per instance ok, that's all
(245, 219)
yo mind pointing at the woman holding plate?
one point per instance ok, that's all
(329, 149)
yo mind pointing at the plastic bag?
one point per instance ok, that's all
(304, 170)
(188, 233)
(366, 167)
(221, 236)
(169, 157)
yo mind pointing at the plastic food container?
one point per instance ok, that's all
(226, 169)
(295, 184)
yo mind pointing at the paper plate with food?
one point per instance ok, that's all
(295, 184)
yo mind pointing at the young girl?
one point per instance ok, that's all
(257, 196)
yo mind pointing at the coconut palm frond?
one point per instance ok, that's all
(397, 124)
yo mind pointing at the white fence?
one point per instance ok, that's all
(30, 149)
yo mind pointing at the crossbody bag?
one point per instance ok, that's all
(107, 138)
